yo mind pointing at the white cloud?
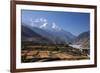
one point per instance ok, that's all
(43, 19)
(43, 23)
(36, 20)
(32, 22)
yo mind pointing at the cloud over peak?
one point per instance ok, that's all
(43, 23)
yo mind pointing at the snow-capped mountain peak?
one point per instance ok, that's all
(43, 23)
(54, 26)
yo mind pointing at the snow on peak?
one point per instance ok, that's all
(54, 26)
(44, 24)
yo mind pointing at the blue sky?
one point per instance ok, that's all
(73, 22)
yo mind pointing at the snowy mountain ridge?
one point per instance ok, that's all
(44, 24)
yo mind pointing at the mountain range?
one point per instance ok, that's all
(40, 31)
(83, 39)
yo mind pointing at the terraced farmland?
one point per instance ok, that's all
(51, 53)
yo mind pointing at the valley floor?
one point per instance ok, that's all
(44, 55)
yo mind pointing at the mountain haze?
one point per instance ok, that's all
(51, 32)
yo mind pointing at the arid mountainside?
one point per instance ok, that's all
(83, 39)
